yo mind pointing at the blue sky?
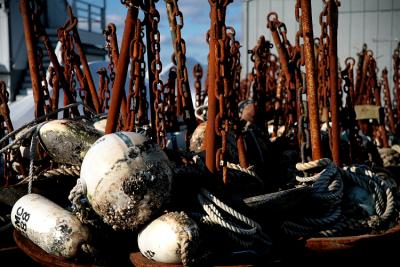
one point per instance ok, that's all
(196, 25)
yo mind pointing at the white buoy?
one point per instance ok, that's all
(67, 141)
(171, 238)
(100, 125)
(126, 178)
(52, 228)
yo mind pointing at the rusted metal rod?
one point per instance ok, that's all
(211, 138)
(122, 67)
(32, 59)
(84, 62)
(308, 37)
(332, 20)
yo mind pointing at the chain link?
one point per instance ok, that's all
(109, 33)
(156, 68)
(137, 103)
(198, 74)
(182, 74)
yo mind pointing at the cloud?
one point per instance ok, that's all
(117, 19)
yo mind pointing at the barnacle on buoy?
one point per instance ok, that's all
(126, 178)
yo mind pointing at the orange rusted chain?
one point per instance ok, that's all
(184, 98)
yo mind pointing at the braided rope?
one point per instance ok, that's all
(229, 210)
(327, 219)
(63, 170)
(216, 217)
(296, 230)
(186, 244)
(313, 164)
(82, 212)
(32, 153)
(237, 167)
(210, 203)
(376, 186)
(247, 170)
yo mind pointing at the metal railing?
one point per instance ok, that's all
(91, 16)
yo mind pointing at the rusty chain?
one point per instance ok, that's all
(219, 37)
(198, 74)
(396, 81)
(104, 89)
(323, 67)
(169, 102)
(47, 101)
(348, 114)
(156, 68)
(110, 33)
(137, 103)
(184, 99)
(388, 101)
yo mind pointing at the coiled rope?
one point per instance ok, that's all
(328, 189)
(244, 236)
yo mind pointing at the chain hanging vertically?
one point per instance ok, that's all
(170, 122)
(157, 99)
(5, 128)
(67, 48)
(219, 91)
(234, 68)
(287, 86)
(104, 89)
(122, 67)
(259, 56)
(111, 46)
(328, 74)
(349, 116)
(396, 81)
(41, 34)
(54, 82)
(175, 18)
(388, 101)
(91, 95)
(137, 102)
(198, 74)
